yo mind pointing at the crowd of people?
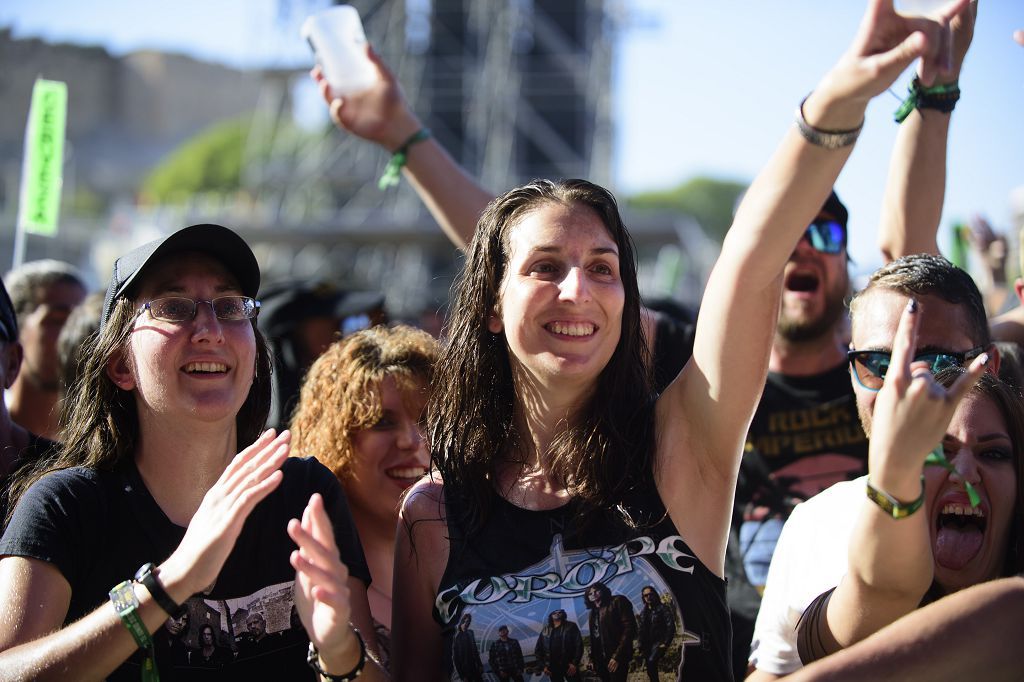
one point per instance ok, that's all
(569, 484)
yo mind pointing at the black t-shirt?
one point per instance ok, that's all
(524, 565)
(805, 436)
(97, 528)
(38, 449)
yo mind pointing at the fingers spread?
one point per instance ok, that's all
(964, 383)
(903, 347)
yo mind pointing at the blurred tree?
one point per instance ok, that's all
(209, 162)
(709, 200)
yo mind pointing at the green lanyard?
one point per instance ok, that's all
(127, 606)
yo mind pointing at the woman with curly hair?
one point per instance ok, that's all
(359, 413)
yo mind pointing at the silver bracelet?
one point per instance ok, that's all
(829, 139)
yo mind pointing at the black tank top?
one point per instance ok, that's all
(523, 566)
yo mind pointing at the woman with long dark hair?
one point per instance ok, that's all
(148, 483)
(559, 469)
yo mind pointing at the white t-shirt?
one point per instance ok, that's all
(811, 557)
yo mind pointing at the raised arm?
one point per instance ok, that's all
(890, 559)
(383, 116)
(703, 417)
(916, 186)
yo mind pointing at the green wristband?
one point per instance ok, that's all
(126, 604)
(939, 97)
(890, 505)
(393, 171)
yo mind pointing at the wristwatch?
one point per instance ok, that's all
(146, 575)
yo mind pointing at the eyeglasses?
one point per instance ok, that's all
(870, 366)
(181, 309)
(826, 236)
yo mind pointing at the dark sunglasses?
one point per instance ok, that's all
(826, 236)
(181, 309)
(870, 366)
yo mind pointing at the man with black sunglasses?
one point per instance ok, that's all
(811, 555)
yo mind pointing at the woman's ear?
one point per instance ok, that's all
(119, 371)
(494, 324)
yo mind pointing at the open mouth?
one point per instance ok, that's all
(407, 475)
(801, 281)
(205, 368)
(960, 531)
(571, 328)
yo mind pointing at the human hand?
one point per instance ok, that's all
(571, 670)
(379, 114)
(248, 479)
(990, 247)
(886, 43)
(613, 665)
(962, 33)
(912, 412)
(321, 582)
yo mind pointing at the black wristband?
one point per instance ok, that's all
(313, 659)
(147, 576)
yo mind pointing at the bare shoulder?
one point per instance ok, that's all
(424, 501)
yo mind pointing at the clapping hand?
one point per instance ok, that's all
(252, 475)
(321, 585)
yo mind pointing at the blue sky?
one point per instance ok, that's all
(699, 88)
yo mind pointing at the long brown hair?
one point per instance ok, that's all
(606, 452)
(1010, 403)
(99, 422)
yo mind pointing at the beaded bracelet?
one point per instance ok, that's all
(939, 97)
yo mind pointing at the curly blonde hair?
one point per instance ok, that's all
(341, 394)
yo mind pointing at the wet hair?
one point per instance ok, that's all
(99, 423)
(27, 283)
(606, 449)
(341, 394)
(927, 275)
(1010, 403)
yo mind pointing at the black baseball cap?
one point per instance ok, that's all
(835, 208)
(284, 304)
(217, 241)
(8, 320)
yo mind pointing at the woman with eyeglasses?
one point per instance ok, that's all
(360, 412)
(559, 469)
(936, 518)
(148, 484)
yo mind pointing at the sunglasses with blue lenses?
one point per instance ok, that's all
(826, 236)
(870, 366)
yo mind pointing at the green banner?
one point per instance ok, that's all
(42, 172)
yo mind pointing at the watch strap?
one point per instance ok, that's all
(147, 576)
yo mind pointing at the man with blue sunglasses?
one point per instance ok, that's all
(805, 435)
